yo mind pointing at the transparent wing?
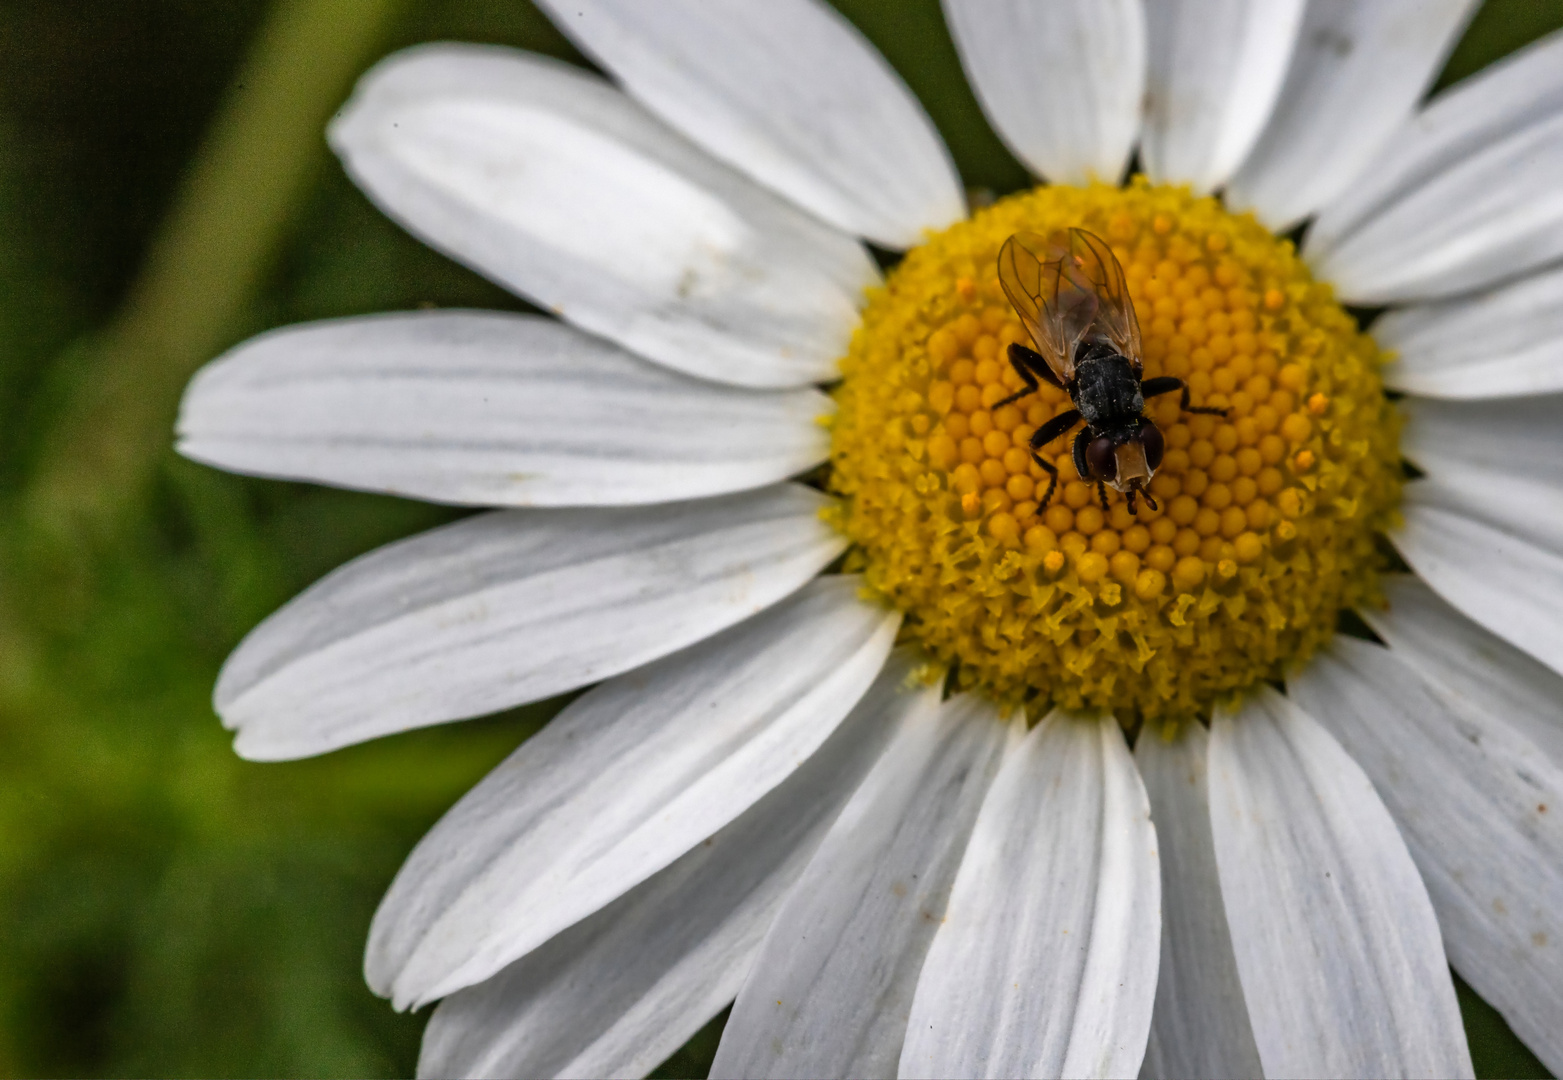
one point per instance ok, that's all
(1094, 266)
(1031, 271)
(1067, 288)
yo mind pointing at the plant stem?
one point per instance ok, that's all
(205, 265)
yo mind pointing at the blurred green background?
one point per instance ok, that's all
(165, 908)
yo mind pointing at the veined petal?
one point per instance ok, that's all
(1521, 506)
(1481, 671)
(1509, 585)
(1061, 82)
(509, 607)
(1045, 964)
(1478, 805)
(486, 409)
(619, 992)
(1215, 71)
(1507, 342)
(624, 781)
(558, 186)
(1335, 938)
(1494, 215)
(1200, 1024)
(1355, 76)
(788, 92)
(1509, 97)
(1521, 437)
(831, 989)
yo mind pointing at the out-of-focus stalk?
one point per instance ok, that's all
(204, 266)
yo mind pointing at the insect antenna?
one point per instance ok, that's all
(1138, 487)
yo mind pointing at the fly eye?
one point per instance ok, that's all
(1099, 456)
(1155, 446)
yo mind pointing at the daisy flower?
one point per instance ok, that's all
(930, 774)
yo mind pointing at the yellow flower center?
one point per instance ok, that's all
(1266, 520)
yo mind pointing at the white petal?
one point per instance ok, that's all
(1502, 343)
(1516, 437)
(832, 987)
(1521, 506)
(1482, 672)
(1200, 1025)
(1509, 585)
(788, 92)
(1337, 947)
(1482, 813)
(1061, 82)
(619, 992)
(622, 783)
(1512, 95)
(510, 607)
(1497, 214)
(1045, 964)
(485, 409)
(1356, 75)
(558, 186)
(1215, 71)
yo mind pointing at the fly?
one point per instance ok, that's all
(1071, 296)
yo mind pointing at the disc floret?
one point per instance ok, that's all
(1266, 518)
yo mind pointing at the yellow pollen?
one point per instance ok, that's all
(1266, 518)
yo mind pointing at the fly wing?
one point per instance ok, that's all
(1032, 271)
(1069, 288)
(1093, 267)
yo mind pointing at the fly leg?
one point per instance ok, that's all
(1030, 366)
(1166, 384)
(1101, 493)
(1045, 434)
(1082, 440)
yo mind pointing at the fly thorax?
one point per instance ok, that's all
(1105, 388)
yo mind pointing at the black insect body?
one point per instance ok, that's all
(1071, 296)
